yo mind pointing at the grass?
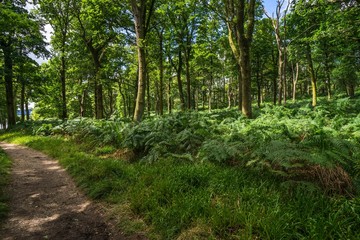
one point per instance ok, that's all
(218, 175)
(171, 198)
(4, 178)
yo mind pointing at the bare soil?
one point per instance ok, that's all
(46, 204)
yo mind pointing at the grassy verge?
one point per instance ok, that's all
(175, 198)
(4, 177)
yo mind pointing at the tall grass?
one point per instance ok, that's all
(177, 199)
(4, 178)
(291, 173)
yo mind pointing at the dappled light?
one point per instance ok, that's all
(180, 119)
(44, 202)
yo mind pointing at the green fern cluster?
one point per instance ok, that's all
(280, 138)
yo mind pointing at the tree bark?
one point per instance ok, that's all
(142, 17)
(178, 76)
(240, 25)
(27, 113)
(169, 96)
(246, 79)
(22, 101)
(161, 76)
(148, 94)
(63, 82)
(312, 75)
(140, 99)
(8, 71)
(295, 80)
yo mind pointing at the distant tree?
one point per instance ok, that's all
(18, 29)
(59, 14)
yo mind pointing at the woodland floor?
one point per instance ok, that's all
(46, 204)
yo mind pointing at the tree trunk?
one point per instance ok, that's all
(148, 94)
(141, 20)
(63, 84)
(246, 78)
(169, 96)
(188, 83)
(295, 80)
(328, 79)
(178, 76)
(350, 89)
(140, 99)
(210, 90)
(123, 99)
(284, 78)
(22, 101)
(239, 76)
(99, 107)
(258, 84)
(161, 70)
(312, 75)
(8, 70)
(27, 113)
(280, 76)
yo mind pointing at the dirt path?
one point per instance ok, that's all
(45, 203)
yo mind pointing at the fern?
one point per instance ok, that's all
(222, 152)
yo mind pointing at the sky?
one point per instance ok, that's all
(270, 6)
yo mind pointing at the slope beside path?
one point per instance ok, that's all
(45, 203)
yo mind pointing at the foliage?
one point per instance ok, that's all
(4, 178)
(204, 200)
(286, 141)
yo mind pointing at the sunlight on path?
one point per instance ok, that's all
(45, 203)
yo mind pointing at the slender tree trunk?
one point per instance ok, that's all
(210, 93)
(27, 113)
(161, 70)
(63, 80)
(328, 79)
(240, 85)
(295, 80)
(148, 94)
(178, 75)
(22, 102)
(140, 99)
(169, 96)
(196, 99)
(274, 81)
(111, 102)
(258, 84)
(188, 81)
(63, 88)
(246, 79)
(312, 75)
(203, 94)
(8, 70)
(284, 78)
(99, 107)
(123, 99)
(350, 89)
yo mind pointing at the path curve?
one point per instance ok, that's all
(45, 203)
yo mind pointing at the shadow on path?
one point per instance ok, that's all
(45, 203)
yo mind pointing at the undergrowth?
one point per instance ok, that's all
(290, 173)
(4, 178)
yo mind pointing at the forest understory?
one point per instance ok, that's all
(192, 119)
(292, 172)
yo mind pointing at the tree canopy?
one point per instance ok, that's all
(112, 59)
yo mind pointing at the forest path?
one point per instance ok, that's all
(45, 203)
